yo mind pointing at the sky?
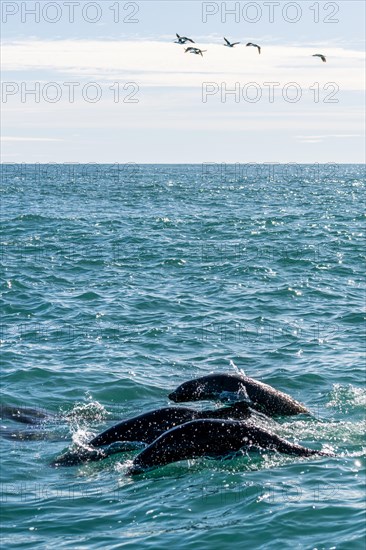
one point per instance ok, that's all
(104, 82)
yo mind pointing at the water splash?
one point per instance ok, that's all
(88, 412)
(345, 398)
(236, 368)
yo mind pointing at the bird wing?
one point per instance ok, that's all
(323, 59)
(235, 43)
(177, 35)
(190, 40)
(227, 42)
(259, 49)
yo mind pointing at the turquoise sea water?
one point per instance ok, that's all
(121, 282)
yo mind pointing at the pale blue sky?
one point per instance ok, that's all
(169, 122)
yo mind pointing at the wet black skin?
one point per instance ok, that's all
(211, 438)
(24, 415)
(148, 426)
(262, 397)
(144, 428)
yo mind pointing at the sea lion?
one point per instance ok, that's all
(24, 415)
(224, 387)
(211, 438)
(128, 434)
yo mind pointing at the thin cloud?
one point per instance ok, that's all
(27, 138)
(153, 63)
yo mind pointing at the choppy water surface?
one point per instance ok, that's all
(119, 283)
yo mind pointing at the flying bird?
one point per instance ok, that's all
(255, 46)
(322, 57)
(197, 51)
(183, 39)
(229, 44)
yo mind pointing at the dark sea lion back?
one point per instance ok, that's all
(260, 396)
